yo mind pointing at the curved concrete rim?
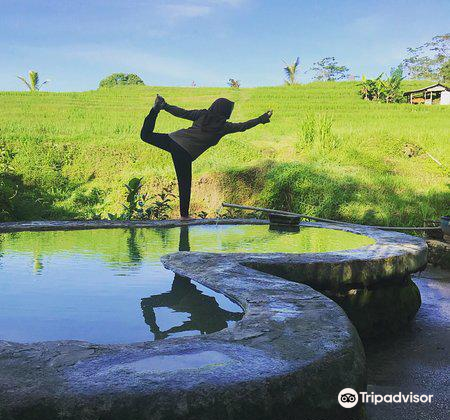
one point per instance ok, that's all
(292, 352)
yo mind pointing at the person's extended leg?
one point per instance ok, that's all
(156, 139)
(183, 168)
(149, 124)
(159, 140)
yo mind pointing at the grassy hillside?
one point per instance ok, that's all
(326, 152)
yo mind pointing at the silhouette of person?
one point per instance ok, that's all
(186, 145)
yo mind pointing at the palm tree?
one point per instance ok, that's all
(291, 71)
(33, 82)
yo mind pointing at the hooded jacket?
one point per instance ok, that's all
(208, 127)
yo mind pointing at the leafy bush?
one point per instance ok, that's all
(387, 90)
(120, 79)
(161, 206)
(137, 206)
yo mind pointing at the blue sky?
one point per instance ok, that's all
(172, 42)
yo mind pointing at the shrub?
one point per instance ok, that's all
(138, 206)
(121, 79)
(387, 90)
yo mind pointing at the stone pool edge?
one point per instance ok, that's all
(272, 364)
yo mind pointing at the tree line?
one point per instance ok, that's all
(429, 61)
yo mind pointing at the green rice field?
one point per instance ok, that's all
(326, 153)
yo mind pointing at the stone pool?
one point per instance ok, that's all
(109, 286)
(285, 355)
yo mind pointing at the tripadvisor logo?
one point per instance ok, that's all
(348, 398)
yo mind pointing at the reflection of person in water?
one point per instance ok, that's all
(184, 245)
(206, 315)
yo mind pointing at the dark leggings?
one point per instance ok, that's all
(181, 159)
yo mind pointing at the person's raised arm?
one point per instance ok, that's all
(242, 126)
(176, 111)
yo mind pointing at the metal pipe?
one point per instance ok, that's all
(319, 219)
(281, 212)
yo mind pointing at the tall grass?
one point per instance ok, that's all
(317, 134)
(326, 152)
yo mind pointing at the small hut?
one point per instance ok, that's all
(434, 94)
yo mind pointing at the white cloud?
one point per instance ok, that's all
(180, 11)
(146, 64)
(233, 3)
(195, 8)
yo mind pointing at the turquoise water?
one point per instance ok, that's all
(108, 285)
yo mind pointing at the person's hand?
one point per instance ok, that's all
(265, 118)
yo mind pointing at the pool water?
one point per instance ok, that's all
(109, 286)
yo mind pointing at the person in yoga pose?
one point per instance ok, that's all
(186, 145)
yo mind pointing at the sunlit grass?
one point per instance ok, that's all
(68, 144)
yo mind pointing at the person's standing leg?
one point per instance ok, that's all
(183, 168)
